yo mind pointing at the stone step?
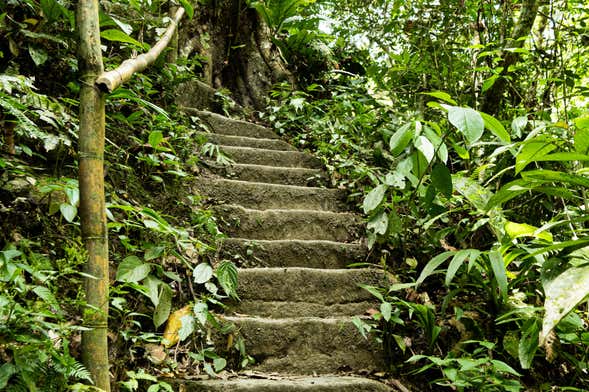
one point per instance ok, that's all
(283, 384)
(241, 141)
(263, 196)
(272, 175)
(312, 285)
(292, 253)
(228, 126)
(287, 309)
(288, 224)
(308, 345)
(256, 156)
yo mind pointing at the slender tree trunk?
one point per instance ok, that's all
(494, 96)
(92, 201)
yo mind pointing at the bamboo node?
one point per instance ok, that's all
(91, 156)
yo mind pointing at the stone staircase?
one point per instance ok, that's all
(295, 240)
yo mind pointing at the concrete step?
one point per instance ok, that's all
(307, 345)
(288, 224)
(241, 141)
(292, 253)
(272, 175)
(228, 126)
(283, 384)
(262, 196)
(256, 156)
(312, 285)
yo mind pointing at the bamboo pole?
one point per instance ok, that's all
(110, 80)
(92, 200)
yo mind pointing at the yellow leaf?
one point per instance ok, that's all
(174, 324)
(516, 230)
(31, 21)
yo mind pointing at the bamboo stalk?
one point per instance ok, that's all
(110, 80)
(92, 200)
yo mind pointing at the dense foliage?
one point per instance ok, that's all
(460, 129)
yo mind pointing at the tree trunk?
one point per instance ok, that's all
(494, 96)
(240, 54)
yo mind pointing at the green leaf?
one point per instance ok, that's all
(582, 140)
(563, 294)
(518, 124)
(202, 273)
(68, 211)
(555, 176)
(155, 138)
(7, 370)
(503, 367)
(187, 327)
(162, 310)
(528, 344)
(468, 121)
(532, 151)
(45, 294)
(38, 55)
(132, 270)
(489, 82)
(563, 157)
(517, 230)
(498, 267)
(401, 138)
(120, 36)
(152, 284)
(188, 8)
(373, 290)
(433, 265)
(441, 95)
(442, 179)
(374, 198)
(426, 147)
(386, 309)
(228, 279)
(495, 126)
(219, 364)
(201, 311)
(379, 223)
(455, 264)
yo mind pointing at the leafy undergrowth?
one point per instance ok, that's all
(482, 221)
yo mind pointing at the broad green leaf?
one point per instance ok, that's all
(187, 327)
(7, 370)
(474, 192)
(518, 124)
(68, 211)
(219, 364)
(120, 36)
(132, 269)
(498, 267)
(373, 290)
(507, 192)
(441, 95)
(563, 157)
(455, 264)
(201, 312)
(582, 140)
(468, 121)
(38, 55)
(374, 198)
(164, 306)
(419, 165)
(517, 230)
(495, 126)
(489, 82)
(503, 367)
(202, 273)
(227, 276)
(528, 344)
(426, 147)
(532, 151)
(386, 309)
(556, 176)
(152, 284)
(379, 223)
(155, 138)
(153, 252)
(45, 294)
(433, 265)
(582, 122)
(401, 138)
(563, 294)
(188, 8)
(442, 179)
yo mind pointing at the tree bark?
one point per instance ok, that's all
(240, 54)
(494, 96)
(92, 200)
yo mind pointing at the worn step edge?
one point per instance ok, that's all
(228, 126)
(313, 285)
(262, 196)
(292, 253)
(278, 224)
(329, 383)
(308, 345)
(287, 309)
(298, 176)
(243, 141)
(258, 156)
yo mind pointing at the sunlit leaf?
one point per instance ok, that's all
(68, 211)
(468, 121)
(201, 311)
(202, 273)
(174, 324)
(517, 230)
(379, 223)
(401, 138)
(426, 147)
(374, 198)
(188, 8)
(132, 269)
(162, 310)
(120, 36)
(495, 126)
(532, 151)
(386, 309)
(442, 95)
(582, 139)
